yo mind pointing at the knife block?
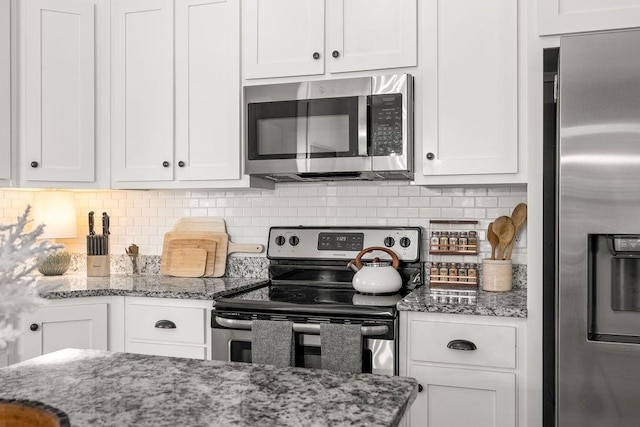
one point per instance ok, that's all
(98, 266)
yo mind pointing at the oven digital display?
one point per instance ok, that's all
(340, 241)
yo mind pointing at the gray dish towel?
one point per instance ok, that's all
(341, 347)
(272, 343)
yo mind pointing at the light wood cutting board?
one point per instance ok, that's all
(186, 262)
(223, 247)
(173, 241)
(214, 224)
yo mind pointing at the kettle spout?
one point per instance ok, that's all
(352, 265)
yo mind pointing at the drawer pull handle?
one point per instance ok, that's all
(165, 324)
(461, 345)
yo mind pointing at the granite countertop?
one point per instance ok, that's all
(105, 388)
(474, 302)
(146, 285)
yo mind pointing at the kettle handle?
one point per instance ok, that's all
(394, 258)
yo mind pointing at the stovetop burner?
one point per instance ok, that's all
(309, 274)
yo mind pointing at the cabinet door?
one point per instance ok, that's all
(463, 397)
(371, 34)
(282, 37)
(207, 89)
(5, 89)
(471, 81)
(572, 16)
(59, 141)
(49, 329)
(142, 90)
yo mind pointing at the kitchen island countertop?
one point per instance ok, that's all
(106, 388)
(147, 285)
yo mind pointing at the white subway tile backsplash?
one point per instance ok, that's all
(142, 217)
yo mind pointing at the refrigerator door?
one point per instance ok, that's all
(599, 193)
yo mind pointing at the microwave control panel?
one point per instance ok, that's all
(386, 124)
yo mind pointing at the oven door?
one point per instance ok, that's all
(232, 343)
(309, 135)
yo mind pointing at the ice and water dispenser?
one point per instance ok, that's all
(614, 288)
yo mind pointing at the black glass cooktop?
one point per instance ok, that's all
(310, 299)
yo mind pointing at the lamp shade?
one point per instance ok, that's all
(57, 211)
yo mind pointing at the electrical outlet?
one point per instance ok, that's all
(517, 238)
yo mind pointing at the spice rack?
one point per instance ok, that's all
(458, 239)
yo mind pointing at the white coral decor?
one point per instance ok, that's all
(19, 255)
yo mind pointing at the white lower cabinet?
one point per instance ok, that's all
(76, 323)
(168, 327)
(467, 368)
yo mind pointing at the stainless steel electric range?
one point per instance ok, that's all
(310, 284)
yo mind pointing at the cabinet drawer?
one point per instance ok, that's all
(190, 352)
(144, 323)
(495, 345)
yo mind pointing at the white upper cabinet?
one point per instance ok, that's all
(469, 96)
(207, 145)
(572, 16)
(142, 90)
(284, 38)
(176, 94)
(371, 34)
(5, 91)
(58, 142)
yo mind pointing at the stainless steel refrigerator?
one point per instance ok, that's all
(592, 211)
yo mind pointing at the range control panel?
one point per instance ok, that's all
(343, 243)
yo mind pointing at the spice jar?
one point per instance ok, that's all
(434, 242)
(472, 273)
(444, 270)
(473, 240)
(434, 270)
(453, 272)
(463, 241)
(444, 241)
(462, 272)
(453, 241)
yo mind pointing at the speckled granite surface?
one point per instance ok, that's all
(121, 389)
(146, 285)
(237, 266)
(477, 302)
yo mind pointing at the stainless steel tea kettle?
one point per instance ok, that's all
(376, 276)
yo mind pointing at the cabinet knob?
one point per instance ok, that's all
(316, 55)
(461, 345)
(34, 327)
(180, 164)
(335, 53)
(431, 156)
(34, 164)
(165, 324)
(165, 164)
(420, 388)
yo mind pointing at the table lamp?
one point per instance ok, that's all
(57, 211)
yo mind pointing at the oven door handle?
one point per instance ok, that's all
(305, 328)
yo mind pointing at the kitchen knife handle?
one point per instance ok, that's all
(91, 224)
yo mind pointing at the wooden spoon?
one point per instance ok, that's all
(493, 240)
(519, 217)
(505, 230)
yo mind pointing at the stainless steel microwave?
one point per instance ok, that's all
(358, 128)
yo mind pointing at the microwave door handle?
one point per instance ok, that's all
(305, 328)
(302, 131)
(363, 127)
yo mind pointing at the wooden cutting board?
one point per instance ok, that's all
(223, 247)
(172, 243)
(186, 262)
(207, 245)
(214, 224)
